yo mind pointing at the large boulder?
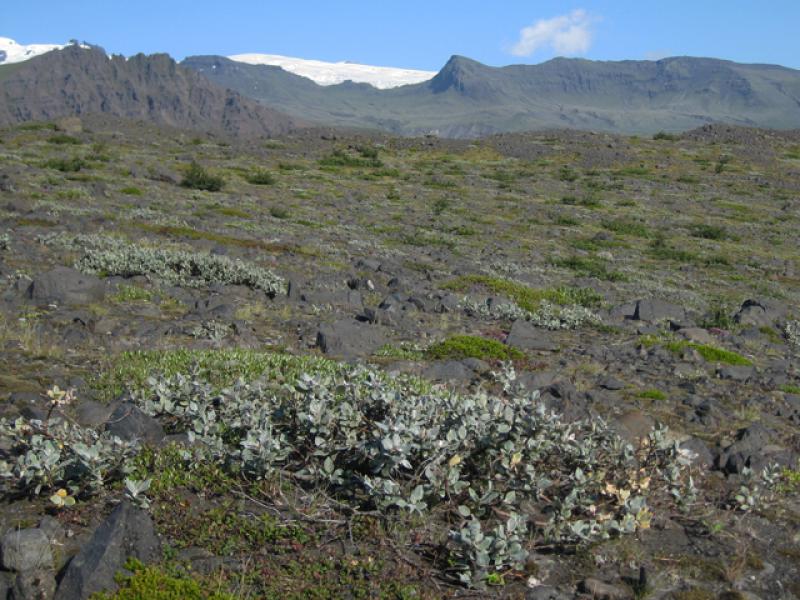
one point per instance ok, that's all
(63, 285)
(655, 309)
(759, 313)
(525, 336)
(26, 550)
(128, 532)
(349, 338)
(128, 422)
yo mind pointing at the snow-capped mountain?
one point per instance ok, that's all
(328, 73)
(12, 52)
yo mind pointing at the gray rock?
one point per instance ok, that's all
(6, 584)
(127, 532)
(739, 373)
(759, 313)
(702, 456)
(448, 370)
(129, 422)
(655, 309)
(26, 550)
(66, 286)
(611, 383)
(91, 413)
(600, 590)
(349, 338)
(525, 336)
(537, 380)
(746, 451)
(547, 592)
(34, 585)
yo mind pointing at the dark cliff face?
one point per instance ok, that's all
(76, 81)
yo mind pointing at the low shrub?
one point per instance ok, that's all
(387, 444)
(260, 177)
(470, 346)
(198, 178)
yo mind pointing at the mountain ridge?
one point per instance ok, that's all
(78, 81)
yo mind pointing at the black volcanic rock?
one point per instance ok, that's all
(79, 81)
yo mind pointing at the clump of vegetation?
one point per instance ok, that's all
(709, 353)
(198, 178)
(709, 232)
(5, 241)
(402, 351)
(652, 394)
(159, 583)
(388, 444)
(663, 135)
(107, 256)
(524, 296)
(628, 227)
(63, 139)
(588, 201)
(260, 177)
(279, 212)
(661, 250)
(368, 157)
(470, 346)
(131, 191)
(65, 165)
(132, 293)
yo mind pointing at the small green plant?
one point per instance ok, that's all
(198, 178)
(63, 139)
(66, 165)
(279, 212)
(709, 353)
(526, 297)
(131, 191)
(470, 346)
(132, 293)
(661, 250)
(628, 227)
(652, 394)
(709, 232)
(663, 135)
(153, 582)
(260, 177)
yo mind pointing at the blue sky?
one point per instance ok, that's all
(418, 34)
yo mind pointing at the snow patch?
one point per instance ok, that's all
(328, 73)
(12, 52)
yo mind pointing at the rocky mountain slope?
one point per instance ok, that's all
(559, 365)
(79, 81)
(469, 99)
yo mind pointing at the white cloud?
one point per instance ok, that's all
(568, 34)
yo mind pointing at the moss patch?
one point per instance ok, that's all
(470, 346)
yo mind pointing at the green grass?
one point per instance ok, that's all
(154, 582)
(526, 297)
(260, 177)
(589, 267)
(131, 191)
(198, 178)
(790, 388)
(65, 165)
(132, 293)
(221, 368)
(628, 227)
(652, 394)
(470, 346)
(63, 139)
(709, 353)
(709, 232)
